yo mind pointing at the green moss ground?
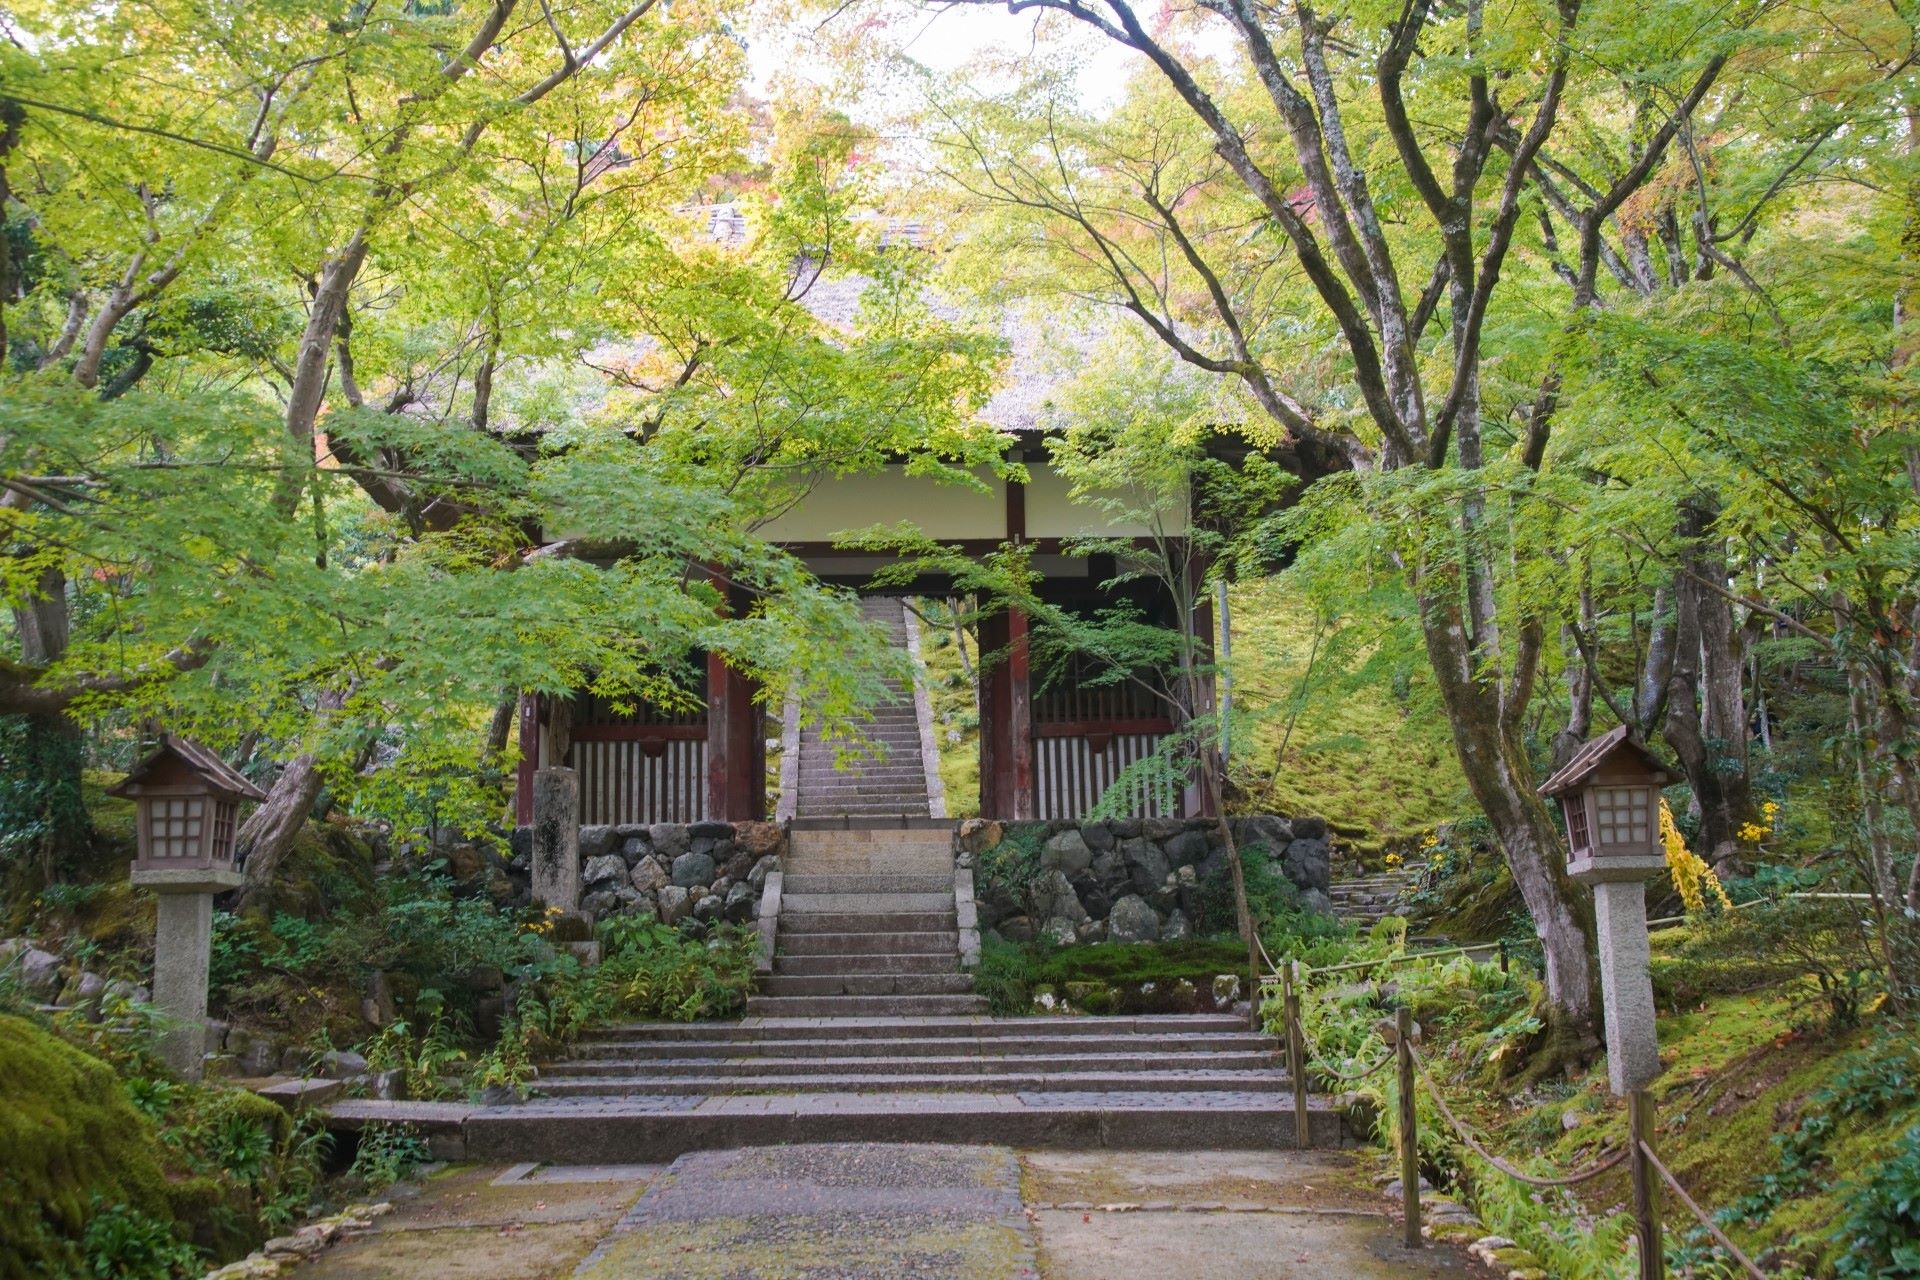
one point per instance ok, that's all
(956, 721)
(1380, 769)
(1739, 1069)
(68, 1134)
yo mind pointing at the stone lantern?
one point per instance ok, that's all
(1609, 793)
(189, 812)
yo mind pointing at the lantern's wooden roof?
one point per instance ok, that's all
(206, 767)
(1595, 753)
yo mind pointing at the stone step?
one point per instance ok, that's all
(972, 1048)
(862, 903)
(934, 862)
(1267, 1060)
(646, 1130)
(867, 984)
(926, 831)
(942, 961)
(795, 945)
(862, 1006)
(798, 882)
(1075, 1082)
(827, 809)
(962, 1029)
(870, 922)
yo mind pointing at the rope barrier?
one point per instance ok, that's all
(1666, 1176)
(1313, 1051)
(1473, 1144)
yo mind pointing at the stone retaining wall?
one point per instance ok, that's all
(672, 870)
(1127, 880)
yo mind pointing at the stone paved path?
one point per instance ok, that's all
(852, 1211)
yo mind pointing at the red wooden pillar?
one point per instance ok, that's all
(1006, 718)
(736, 752)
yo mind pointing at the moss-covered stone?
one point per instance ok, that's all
(68, 1133)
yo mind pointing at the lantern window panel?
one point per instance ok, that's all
(175, 826)
(1624, 815)
(223, 827)
(1578, 836)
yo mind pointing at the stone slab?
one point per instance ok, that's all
(826, 1212)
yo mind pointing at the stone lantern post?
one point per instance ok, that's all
(189, 810)
(1609, 793)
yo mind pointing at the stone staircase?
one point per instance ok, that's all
(1364, 899)
(868, 1031)
(867, 928)
(887, 784)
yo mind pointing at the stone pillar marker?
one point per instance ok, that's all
(1626, 983)
(556, 839)
(182, 953)
(189, 802)
(1609, 794)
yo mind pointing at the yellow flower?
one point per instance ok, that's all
(1691, 876)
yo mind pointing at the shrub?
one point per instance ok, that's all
(1882, 1229)
(1004, 977)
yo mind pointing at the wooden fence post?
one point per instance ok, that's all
(1646, 1187)
(1297, 1057)
(1409, 1126)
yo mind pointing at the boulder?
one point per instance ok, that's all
(634, 848)
(757, 877)
(759, 838)
(1309, 828)
(1124, 828)
(740, 902)
(1309, 864)
(1016, 929)
(39, 973)
(1266, 830)
(711, 830)
(1316, 901)
(1066, 852)
(709, 907)
(257, 1057)
(1098, 835)
(520, 845)
(738, 865)
(84, 992)
(1176, 927)
(1092, 931)
(342, 1064)
(601, 903)
(1132, 920)
(1052, 896)
(1226, 991)
(670, 839)
(388, 1086)
(597, 842)
(603, 869)
(1187, 848)
(977, 835)
(1159, 829)
(705, 844)
(1093, 896)
(648, 875)
(675, 903)
(377, 1005)
(1146, 866)
(690, 869)
(464, 862)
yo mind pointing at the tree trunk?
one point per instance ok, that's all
(1706, 719)
(44, 775)
(269, 831)
(1495, 764)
